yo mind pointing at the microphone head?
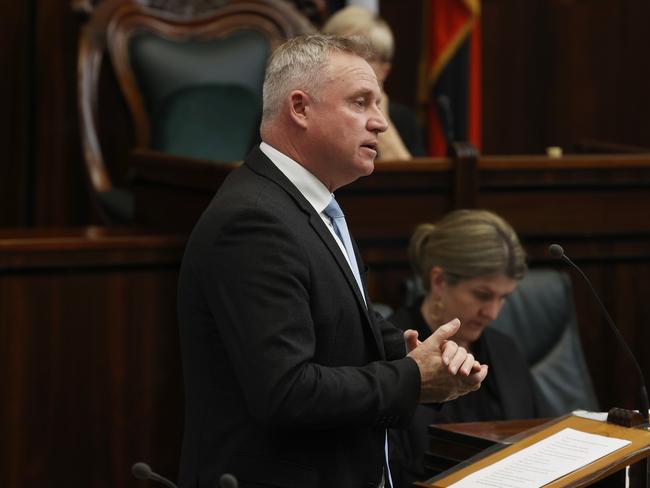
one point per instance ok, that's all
(141, 471)
(556, 251)
(228, 481)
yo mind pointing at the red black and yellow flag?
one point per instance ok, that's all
(452, 72)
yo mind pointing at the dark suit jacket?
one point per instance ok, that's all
(286, 378)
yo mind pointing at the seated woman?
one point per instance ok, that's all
(403, 138)
(468, 263)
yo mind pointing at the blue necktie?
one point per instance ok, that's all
(334, 212)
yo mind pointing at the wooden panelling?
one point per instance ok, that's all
(42, 181)
(554, 72)
(92, 375)
(406, 21)
(15, 116)
(516, 68)
(557, 71)
(59, 194)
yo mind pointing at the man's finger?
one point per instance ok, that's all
(445, 331)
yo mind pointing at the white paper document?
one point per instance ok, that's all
(544, 461)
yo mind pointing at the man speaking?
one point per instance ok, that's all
(291, 379)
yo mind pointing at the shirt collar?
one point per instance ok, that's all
(307, 184)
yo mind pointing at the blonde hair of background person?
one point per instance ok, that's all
(467, 244)
(358, 21)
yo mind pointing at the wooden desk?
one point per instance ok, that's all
(452, 444)
(479, 444)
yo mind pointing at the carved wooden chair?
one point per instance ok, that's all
(193, 85)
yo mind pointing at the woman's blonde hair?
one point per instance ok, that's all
(358, 21)
(467, 244)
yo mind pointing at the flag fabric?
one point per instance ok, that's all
(451, 86)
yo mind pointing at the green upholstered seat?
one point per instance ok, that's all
(204, 98)
(218, 122)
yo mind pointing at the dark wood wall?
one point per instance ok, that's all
(557, 71)
(15, 98)
(554, 71)
(56, 193)
(42, 182)
(90, 357)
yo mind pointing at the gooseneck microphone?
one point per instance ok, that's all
(556, 251)
(142, 471)
(446, 116)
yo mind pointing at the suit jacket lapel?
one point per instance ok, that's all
(326, 236)
(259, 163)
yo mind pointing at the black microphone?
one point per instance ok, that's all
(142, 471)
(556, 251)
(446, 115)
(228, 481)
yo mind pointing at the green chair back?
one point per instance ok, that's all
(204, 98)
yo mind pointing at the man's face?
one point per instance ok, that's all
(344, 123)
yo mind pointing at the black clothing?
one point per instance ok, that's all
(408, 127)
(290, 380)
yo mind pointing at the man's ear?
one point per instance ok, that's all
(300, 105)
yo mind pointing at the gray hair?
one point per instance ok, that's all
(300, 64)
(467, 244)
